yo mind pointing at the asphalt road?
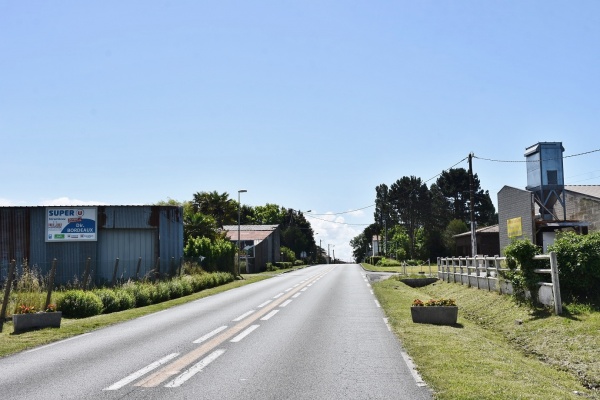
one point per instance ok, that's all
(316, 333)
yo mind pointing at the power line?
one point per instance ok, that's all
(445, 170)
(335, 222)
(344, 212)
(525, 161)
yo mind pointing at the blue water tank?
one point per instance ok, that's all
(545, 175)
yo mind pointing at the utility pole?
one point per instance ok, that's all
(472, 208)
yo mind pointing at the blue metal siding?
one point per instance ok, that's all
(127, 232)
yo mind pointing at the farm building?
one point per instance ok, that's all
(547, 206)
(111, 242)
(262, 244)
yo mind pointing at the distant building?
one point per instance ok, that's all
(262, 242)
(488, 243)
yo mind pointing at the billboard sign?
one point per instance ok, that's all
(515, 227)
(66, 224)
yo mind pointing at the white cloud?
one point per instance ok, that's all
(334, 233)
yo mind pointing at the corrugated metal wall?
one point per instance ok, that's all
(124, 232)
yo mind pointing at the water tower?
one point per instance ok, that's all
(545, 177)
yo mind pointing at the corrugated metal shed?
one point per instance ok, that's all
(137, 235)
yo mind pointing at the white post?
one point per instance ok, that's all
(555, 283)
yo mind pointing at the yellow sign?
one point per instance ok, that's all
(515, 227)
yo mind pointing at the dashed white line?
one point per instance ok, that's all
(210, 334)
(288, 289)
(245, 333)
(303, 290)
(285, 303)
(377, 304)
(269, 315)
(385, 320)
(264, 304)
(279, 295)
(199, 366)
(141, 372)
(244, 315)
(296, 295)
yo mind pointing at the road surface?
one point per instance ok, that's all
(316, 333)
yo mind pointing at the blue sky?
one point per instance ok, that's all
(306, 104)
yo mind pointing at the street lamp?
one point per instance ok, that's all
(328, 258)
(239, 222)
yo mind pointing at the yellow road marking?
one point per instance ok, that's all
(180, 364)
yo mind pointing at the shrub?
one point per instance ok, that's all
(141, 292)
(579, 265)
(373, 260)
(79, 304)
(387, 262)
(175, 289)
(126, 300)
(521, 265)
(298, 263)
(110, 301)
(283, 265)
(271, 267)
(160, 292)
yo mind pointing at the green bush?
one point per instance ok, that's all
(126, 300)
(79, 304)
(388, 262)
(141, 292)
(271, 267)
(373, 260)
(521, 265)
(283, 265)
(110, 301)
(160, 292)
(175, 289)
(298, 263)
(579, 265)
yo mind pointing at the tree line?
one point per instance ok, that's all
(414, 221)
(205, 215)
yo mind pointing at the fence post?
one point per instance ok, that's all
(9, 283)
(51, 283)
(555, 283)
(137, 270)
(114, 278)
(86, 273)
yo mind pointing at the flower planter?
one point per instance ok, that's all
(25, 322)
(437, 315)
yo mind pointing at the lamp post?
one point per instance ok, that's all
(328, 257)
(239, 224)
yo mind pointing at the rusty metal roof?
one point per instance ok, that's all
(249, 232)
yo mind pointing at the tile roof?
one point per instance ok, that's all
(588, 190)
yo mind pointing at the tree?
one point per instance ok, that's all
(454, 184)
(455, 227)
(360, 244)
(411, 201)
(219, 206)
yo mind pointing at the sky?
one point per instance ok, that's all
(306, 104)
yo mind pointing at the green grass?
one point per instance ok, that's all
(11, 343)
(499, 349)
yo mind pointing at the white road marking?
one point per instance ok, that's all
(385, 320)
(279, 295)
(55, 343)
(199, 366)
(288, 289)
(244, 315)
(264, 304)
(413, 370)
(210, 334)
(303, 290)
(269, 315)
(372, 292)
(377, 304)
(245, 333)
(141, 372)
(296, 295)
(285, 303)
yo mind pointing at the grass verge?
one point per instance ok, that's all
(12, 343)
(407, 270)
(498, 349)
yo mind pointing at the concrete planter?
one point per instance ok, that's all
(25, 322)
(437, 315)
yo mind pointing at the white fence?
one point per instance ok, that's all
(484, 273)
